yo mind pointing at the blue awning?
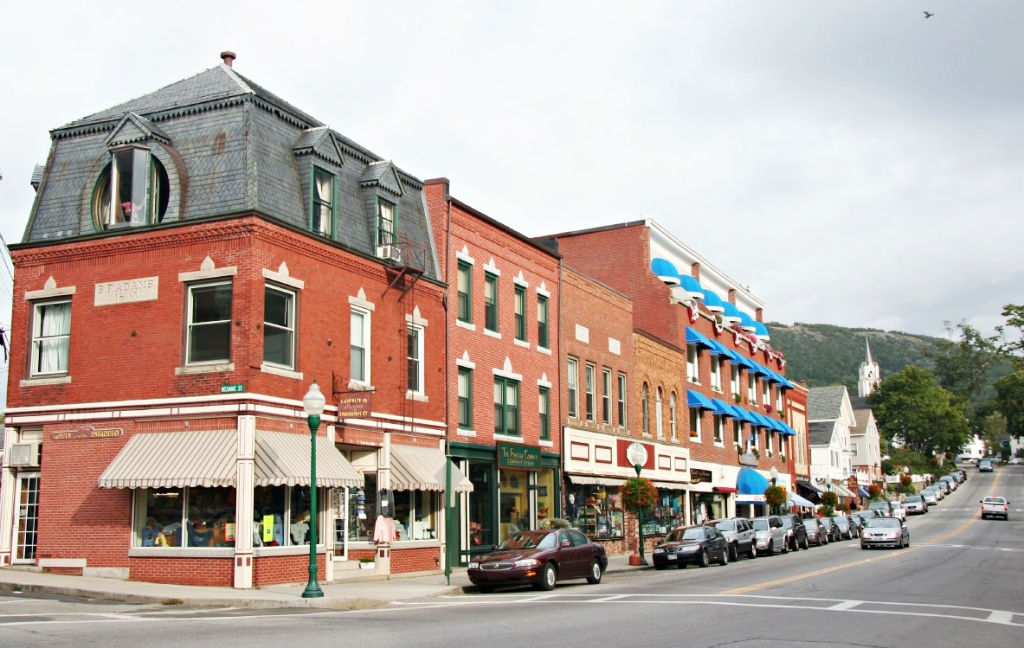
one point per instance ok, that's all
(693, 336)
(787, 430)
(747, 322)
(863, 491)
(750, 486)
(664, 270)
(712, 301)
(698, 400)
(721, 407)
(763, 420)
(731, 313)
(692, 286)
(760, 330)
(744, 415)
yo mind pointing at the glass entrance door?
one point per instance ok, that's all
(28, 518)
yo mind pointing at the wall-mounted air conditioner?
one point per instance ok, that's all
(23, 455)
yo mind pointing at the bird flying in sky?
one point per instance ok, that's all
(928, 15)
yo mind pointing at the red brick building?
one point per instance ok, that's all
(194, 260)
(502, 368)
(731, 404)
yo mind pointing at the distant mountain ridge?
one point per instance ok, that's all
(823, 354)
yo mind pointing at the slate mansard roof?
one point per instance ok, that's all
(229, 146)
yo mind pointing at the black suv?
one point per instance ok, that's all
(796, 533)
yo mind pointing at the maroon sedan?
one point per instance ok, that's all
(539, 558)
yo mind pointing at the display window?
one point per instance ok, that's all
(185, 517)
(668, 514)
(481, 517)
(362, 512)
(595, 510)
(281, 516)
(416, 515)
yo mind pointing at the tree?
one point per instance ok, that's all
(1010, 401)
(913, 411)
(992, 430)
(1013, 347)
(962, 363)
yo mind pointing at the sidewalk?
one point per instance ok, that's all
(359, 594)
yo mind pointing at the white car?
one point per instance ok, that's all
(916, 504)
(995, 507)
(899, 511)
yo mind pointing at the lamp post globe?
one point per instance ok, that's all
(313, 403)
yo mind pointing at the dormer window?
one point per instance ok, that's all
(324, 190)
(132, 190)
(385, 223)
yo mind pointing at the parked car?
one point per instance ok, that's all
(930, 497)
(842, 525)
(898, 510)
(696, 545)
(881, 508)
(995, 506)
(770, 534)
(830, 528)
(916, 505)
(796, 534)
(943, 486)
(885, 532)
(985, 466)
(953, 483)
(856, 524)
(539, 558)
(864, 515)
(816, 533)
(739, 534)
(939, 491)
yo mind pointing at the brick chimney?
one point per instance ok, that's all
(228, 58)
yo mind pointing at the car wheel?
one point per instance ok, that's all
(485, 589)
(548, 578)
(725, 557)
(864, 547)
(806, 545)
(771, 548)
(659, 567)
(899, 543)
(705, 559)
(908, 542)
(734, 552)
(595, 573)
(753, 551)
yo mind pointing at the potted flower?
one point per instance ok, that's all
(782, 458)
(739, 449)
(756, 453)
(737, 398)
(367, 562)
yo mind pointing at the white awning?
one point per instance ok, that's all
(842, 491)
(671, 485)
(587, 480)
(423, 468)
(209, 458)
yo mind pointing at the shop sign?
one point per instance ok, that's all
(748, 459)
(357, 405)
(851, 483)
(699, 475)
(511, 455)
(87, 432)
(231, 389)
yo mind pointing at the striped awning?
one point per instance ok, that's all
(422, 468)
(209, 458)
(588, 480)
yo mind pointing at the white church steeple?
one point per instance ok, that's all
(870, 374)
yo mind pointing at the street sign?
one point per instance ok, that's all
(229, 389)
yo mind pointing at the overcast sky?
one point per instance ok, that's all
(852, 162)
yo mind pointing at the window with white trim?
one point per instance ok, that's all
(359, 346)
(693, 363)
(325, 187)
(279, 327)
(734, 384)
(544, 407)
(465, 289)
(659, 421)
(572, 380)
(719, 429)
(209, 323)
(542, 321)
(385, 223)
(465, 398)
(622, 401)
(414, 358)
(506, 406)
(695, 424)
(672, 417)
(51, 338)
(645, 410)
(520, 312)
(737, 433)
(606, 395)
(491, 302)
(590, 392)
(766, 392)
(716, 373)
(751, 388)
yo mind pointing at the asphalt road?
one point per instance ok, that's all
(958, 584)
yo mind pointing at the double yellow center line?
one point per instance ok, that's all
(797, 577)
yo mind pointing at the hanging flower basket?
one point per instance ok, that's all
(639, 494)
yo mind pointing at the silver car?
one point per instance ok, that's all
(915, 505)
(769, 534)
(739, 534)
(885, 532)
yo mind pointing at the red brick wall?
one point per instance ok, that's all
(513, 255)
(415, 560)
(212, 572)
(271, 570)
(605, 313)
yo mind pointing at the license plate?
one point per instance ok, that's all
(671, 557)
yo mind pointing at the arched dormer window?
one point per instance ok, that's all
(132, 190)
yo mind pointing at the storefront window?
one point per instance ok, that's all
(708, 506)
(595, 510)
(362, 512)
(415, 515)
(514, 507)
(185, 517)
(668, 514)
(545, 495)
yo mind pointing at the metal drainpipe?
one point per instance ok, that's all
(448, 508)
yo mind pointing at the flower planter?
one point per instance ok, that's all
(367, 565)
